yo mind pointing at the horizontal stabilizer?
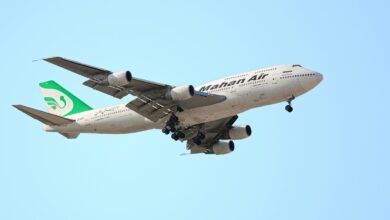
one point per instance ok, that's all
(44, 117)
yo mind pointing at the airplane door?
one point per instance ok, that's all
(275, 80)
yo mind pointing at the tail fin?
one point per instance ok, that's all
(61, 102)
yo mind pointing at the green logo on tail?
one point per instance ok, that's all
(54, 104)
(60, 101)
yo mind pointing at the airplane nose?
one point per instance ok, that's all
(319, 77)
(307, 83)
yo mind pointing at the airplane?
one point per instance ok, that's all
(203, 116)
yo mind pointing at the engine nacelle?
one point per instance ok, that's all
(223, 147)
(239, 132)
(119, 78)
(181, 93)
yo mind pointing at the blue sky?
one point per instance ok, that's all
(329, 159)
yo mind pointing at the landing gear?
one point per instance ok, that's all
(171, 127)
(165, 131)
(201, 136)
(171, 124)
(175, 137)
(198, 139)
(178, 135)
(288, 107)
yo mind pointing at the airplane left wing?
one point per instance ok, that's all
(154, 100)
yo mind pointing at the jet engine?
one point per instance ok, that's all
(181, 93)
(238, 132)
(223, 147)
(119, 78)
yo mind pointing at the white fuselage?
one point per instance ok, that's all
(243, 91)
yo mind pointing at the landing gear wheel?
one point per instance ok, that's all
(173, 119)
(165, 131)
(170, 126)
(289, 108)
(201, 136)
(175, 137)
(180, 134)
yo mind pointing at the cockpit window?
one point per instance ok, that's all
(297, 65)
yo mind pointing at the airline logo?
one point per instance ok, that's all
(50, 101)
(233, 82)
(57, 102)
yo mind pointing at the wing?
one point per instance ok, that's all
(98, 76)
(151, 99)
(213, 131)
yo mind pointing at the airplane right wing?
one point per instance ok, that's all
(154, 100)
(213, 132)
(98, 79)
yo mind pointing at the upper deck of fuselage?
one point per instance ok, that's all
(258, 74)
(268, 70)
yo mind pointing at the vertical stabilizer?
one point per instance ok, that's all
(61, 102)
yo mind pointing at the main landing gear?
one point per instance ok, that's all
(198, 139)
(177, 135)
(288, 107)
(171, 127)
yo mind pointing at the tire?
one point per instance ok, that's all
(289, 108)
(174, 137)
(201, 136)
(165, 131)
(181, 134)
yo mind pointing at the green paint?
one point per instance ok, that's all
(78, 105)
(54, 104)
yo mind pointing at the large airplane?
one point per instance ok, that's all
(204, 116)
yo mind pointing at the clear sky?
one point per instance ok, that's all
(329, 159)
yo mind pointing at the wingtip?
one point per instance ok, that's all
(18, 107)
(48, 59)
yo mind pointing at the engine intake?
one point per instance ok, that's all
(119, 78)
(181, 93)
(223, 147)
(239, 132)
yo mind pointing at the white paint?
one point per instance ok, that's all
(276, 87)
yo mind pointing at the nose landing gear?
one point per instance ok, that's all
(288, 107)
